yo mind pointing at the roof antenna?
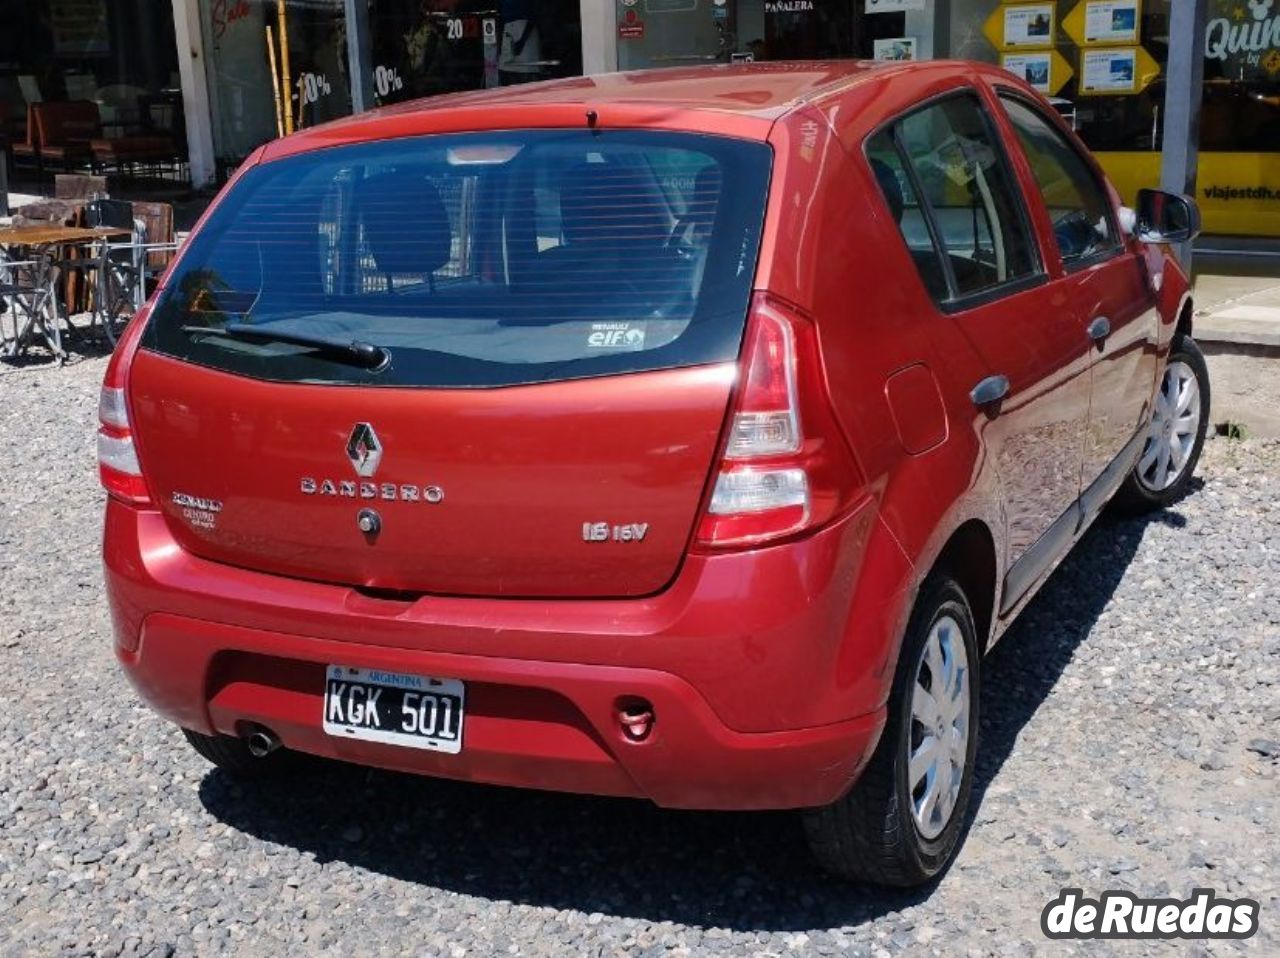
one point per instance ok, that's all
(592, 119)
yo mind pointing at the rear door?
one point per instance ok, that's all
(963, 216)
(1107, 285)
(553, 349)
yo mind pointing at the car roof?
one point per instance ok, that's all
(741, 99)
(759, 89)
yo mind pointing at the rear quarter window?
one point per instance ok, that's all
(476, 259)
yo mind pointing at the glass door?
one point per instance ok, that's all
(672, 33)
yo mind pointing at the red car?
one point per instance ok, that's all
(686, 435)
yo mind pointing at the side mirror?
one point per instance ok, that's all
(1167, 217)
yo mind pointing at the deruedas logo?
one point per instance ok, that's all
(1119, 914)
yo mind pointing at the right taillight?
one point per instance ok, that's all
(118, 466)
(785, 468)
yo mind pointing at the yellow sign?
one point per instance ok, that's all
(1022, 26)
(1046, 70)
(1115, 71)
(1237, 192)
(1096, 23)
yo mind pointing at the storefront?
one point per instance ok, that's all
(1106, 60)
(275, 65)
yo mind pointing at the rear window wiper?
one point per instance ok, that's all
(354, 352)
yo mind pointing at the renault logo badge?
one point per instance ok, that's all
(364, 450)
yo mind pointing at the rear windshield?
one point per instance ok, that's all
(475, 259)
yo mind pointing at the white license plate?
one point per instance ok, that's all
(417, 711)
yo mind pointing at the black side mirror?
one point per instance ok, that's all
(1167, 217)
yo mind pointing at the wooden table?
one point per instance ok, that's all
(40, 304)
(41, 234)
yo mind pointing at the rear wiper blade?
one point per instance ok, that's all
(354, 352)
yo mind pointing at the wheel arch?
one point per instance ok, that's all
(969, 557)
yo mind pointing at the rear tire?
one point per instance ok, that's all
(1175, 435)
(232, 755)
(883, 831)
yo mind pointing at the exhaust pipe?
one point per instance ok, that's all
(262, 742)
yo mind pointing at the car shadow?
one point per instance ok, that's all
(741, 871)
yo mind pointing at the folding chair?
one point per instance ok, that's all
(28, 307)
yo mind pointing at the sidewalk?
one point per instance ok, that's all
(1243, 310)
(1237, 324)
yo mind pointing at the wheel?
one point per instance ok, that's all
(1179, 420)
(232, 755)
(902, 821)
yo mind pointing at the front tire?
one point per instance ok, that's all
(901, 823)
(1175, 436)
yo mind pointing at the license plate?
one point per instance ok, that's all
(416, 711)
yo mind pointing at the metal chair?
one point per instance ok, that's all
(28, 307)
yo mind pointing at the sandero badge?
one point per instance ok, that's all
(364, 450)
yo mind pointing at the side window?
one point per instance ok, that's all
(904, 204)
(1080, 210)
(949, 161)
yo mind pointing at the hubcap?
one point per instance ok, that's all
(1175, 423)
(937, 748)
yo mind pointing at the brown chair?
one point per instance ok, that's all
(58, 133)
(79, 186)
(122, 153)
(157, 233)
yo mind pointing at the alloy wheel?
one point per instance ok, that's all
(1175, 423)
(937, 748)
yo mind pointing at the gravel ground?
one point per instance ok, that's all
(1130, 740)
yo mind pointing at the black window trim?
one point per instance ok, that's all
(959, 303)
(1003, 92)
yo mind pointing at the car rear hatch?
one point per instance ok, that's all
(480, 364)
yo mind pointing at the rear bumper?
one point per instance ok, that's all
(531, 724)
(763, 695)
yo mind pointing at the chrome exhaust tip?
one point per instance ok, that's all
(262, 742)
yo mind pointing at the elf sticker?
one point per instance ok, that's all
(619, 336)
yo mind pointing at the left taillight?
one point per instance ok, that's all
(785, 468)
(118, 465)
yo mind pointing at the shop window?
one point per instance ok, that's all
(273, 69)
(444, 46)
(119, 55)
(1083, 227)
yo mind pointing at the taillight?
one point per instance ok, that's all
(118, 466)
(785, 468)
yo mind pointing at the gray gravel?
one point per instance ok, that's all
(1129, 741)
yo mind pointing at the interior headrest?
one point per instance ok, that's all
(406, 225)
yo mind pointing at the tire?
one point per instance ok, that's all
(874, 833)
(1175, 440)
(232, 755)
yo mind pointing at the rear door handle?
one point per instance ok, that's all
(990, 390)
(1100, 329)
